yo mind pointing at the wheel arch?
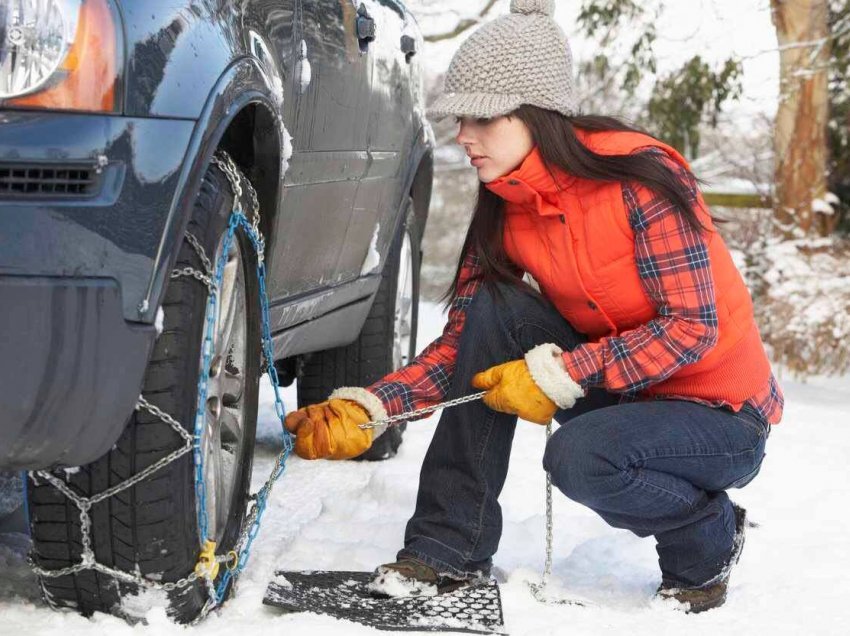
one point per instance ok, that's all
(253, 140)
(243, 100)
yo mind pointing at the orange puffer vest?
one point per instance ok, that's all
(576, 241)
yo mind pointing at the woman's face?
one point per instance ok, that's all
(495, 146)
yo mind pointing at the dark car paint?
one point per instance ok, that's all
(193, 69)
(88, 361)
(113, 235)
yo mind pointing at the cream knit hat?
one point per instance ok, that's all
(521, 58)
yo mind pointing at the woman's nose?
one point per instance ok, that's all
(464, 136)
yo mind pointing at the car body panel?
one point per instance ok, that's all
(66, 392)
(193, 70)
(114, 234)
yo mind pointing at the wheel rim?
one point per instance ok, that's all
(224, 427)
(402, 329)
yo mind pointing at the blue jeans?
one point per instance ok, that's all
(655, 467)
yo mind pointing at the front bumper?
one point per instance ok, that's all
(76, 264)
(111, 230)
(71, 370)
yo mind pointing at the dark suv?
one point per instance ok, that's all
(111, 114)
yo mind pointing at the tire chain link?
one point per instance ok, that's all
(403, 417)
(539, 590)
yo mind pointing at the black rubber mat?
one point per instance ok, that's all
(476, 609)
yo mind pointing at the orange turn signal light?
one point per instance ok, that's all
(87, 79)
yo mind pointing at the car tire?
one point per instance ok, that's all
(378, 349)
(151, 528)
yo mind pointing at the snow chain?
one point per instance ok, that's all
(209, 563)
(235, 560)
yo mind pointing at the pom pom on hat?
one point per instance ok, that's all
(528, 7)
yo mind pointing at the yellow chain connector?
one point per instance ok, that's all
(207, 566)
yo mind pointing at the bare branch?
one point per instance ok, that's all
(816, 44)
(462, 26)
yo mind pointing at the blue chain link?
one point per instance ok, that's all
(237, 219)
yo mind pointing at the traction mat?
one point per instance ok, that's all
(476, 609)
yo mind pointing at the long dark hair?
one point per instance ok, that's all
(554, 135)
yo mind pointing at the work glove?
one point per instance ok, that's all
(330, 430)
(532, 388)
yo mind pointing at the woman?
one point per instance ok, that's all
(641, 342)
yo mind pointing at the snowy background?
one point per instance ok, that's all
(792, 577)
(713, 29)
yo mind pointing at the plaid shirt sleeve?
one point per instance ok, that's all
(426, 380)
(673, 264)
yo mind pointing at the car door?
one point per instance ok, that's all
(389, 132)
(273, 34)
(328, 126)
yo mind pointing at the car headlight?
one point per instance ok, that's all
(59, 54)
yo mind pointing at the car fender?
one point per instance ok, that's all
(243, 83)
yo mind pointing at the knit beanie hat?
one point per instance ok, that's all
(520, 58)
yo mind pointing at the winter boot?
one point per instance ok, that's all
(712, 593)
(411, 577)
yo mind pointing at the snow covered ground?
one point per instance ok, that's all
(793, 576)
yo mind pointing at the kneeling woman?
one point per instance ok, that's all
(641, 342)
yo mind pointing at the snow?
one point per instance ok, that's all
(792, 577)
(159, 323)
(306, 73)
(392, 583)
(286, 155)
(816, 285)
(822, 206)
(373, 257)
(277, 89)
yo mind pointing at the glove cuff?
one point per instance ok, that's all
(550, 377)
(369, 401)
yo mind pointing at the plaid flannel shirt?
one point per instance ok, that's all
(673, 265)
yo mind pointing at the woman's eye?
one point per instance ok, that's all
(481, 121)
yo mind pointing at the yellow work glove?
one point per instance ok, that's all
(330, 430)
(532, 388)
(511, 389)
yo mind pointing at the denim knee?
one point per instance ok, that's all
(577, 464)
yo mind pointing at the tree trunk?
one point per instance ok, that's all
(801, 121)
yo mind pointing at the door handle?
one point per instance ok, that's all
(365, 25)
(408, 46)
